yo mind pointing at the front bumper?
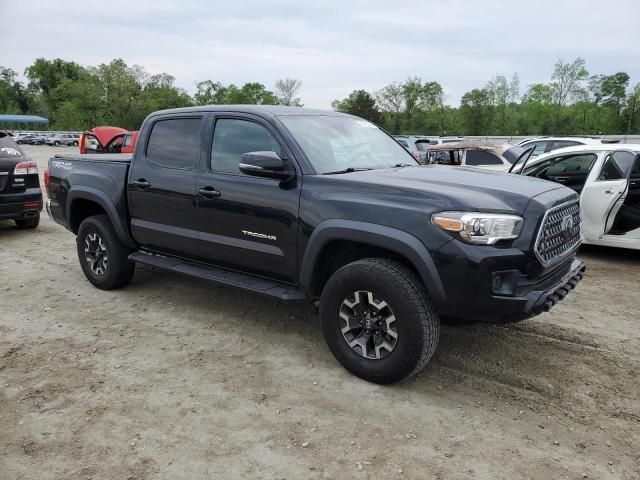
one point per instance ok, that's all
(538, 303)
(498, 285)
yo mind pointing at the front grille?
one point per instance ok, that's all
(559, 233)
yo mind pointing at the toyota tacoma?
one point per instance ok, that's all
(303, 204)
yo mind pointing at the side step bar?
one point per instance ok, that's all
(219, 275)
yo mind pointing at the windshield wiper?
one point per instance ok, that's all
(347, 170)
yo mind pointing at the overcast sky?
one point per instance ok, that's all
(334, 47)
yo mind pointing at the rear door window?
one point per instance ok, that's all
(556, 144)
(175, 142)
(538, 147)
(616, 166)
(480, 157)
(9, 148)
(423, 145)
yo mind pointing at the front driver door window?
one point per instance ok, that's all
(251, 225)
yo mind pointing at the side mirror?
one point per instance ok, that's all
(265, 164)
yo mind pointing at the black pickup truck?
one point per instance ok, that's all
(303, 204)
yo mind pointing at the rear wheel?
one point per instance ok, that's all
(378, 321)
(28, 223)
(75, 143)
(102, 255)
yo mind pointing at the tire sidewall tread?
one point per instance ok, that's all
(119, 270)
(418, 321)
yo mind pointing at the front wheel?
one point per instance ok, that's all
(102, 255)
(378, 321)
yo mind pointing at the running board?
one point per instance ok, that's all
(219, 275)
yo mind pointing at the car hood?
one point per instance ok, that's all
(106, 134)
(465, 188)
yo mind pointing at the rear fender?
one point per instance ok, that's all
(100, 198)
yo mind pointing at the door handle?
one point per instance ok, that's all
(209, 192)
(141, 183)
(610, 192)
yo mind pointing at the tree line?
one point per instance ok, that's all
(74, 97)
(573, 102)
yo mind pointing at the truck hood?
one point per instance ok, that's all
(460, 188)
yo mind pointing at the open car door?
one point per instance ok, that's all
(603, 197)
(521, 161)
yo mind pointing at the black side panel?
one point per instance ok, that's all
(219, 275)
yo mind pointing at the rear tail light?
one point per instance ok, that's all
(26, 168)
(47, 175)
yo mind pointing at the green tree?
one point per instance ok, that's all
(390, 99)
(474, 107)
(566, 82)
(360, 103)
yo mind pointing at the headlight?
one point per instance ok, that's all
(480, 228)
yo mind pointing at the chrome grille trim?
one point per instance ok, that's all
(551, 246)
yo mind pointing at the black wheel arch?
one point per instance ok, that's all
(398, 242)
(83, 202)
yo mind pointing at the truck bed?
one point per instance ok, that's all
(95, 157)
(100, 178)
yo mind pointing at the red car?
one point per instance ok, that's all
(108, 140)
(129, 143)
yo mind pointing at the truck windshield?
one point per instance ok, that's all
(334, 144)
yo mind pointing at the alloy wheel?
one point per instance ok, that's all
(95, 253)
(368, 325)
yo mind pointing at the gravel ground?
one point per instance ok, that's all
(173, 377)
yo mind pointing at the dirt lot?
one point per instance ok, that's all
(174, 377)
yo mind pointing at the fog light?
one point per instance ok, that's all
(504, 282)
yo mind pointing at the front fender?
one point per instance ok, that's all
(101, 198)
(397, 241)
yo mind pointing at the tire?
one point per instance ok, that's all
(396, 292)
(96, 241)
(75, 143)
(56, 144)
(28, 223)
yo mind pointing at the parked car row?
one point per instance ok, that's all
(64, 139)
(418, 146)
(31, 139)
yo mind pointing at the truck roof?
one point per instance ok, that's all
(271, 110)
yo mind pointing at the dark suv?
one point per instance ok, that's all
(20, 193)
